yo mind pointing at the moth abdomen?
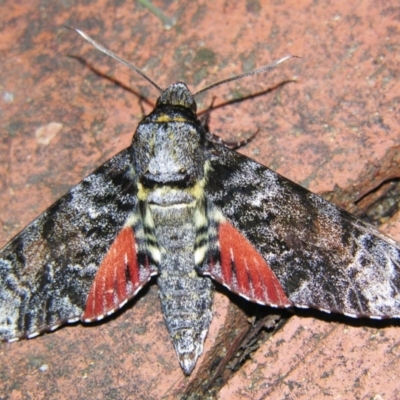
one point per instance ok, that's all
(186, 300)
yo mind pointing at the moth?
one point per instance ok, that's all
(181, 206)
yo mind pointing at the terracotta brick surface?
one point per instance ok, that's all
(331, 116)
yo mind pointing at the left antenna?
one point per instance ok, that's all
(113, 55)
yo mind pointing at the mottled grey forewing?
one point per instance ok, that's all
(324, 257)
(47, 270)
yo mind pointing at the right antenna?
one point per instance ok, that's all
(254, 72)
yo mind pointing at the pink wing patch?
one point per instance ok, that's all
(118, 279)
(242, 269)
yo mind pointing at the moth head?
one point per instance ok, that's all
(177, 94)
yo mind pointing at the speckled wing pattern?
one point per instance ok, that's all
(323, 257)
(46, 271)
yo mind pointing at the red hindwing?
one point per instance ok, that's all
(243, 270)
(118, 279)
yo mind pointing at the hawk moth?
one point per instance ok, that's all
(180, 205)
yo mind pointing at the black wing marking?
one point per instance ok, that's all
(324, 257)
(47, 270)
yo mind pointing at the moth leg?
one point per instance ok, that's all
(212, 137)
(205, 119)
(233, 145)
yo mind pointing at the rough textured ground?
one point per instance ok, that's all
(60, 119)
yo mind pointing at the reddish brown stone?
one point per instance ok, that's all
(326, 129)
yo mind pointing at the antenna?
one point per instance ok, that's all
(254, 72)
(131, 66)
(113, 55)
